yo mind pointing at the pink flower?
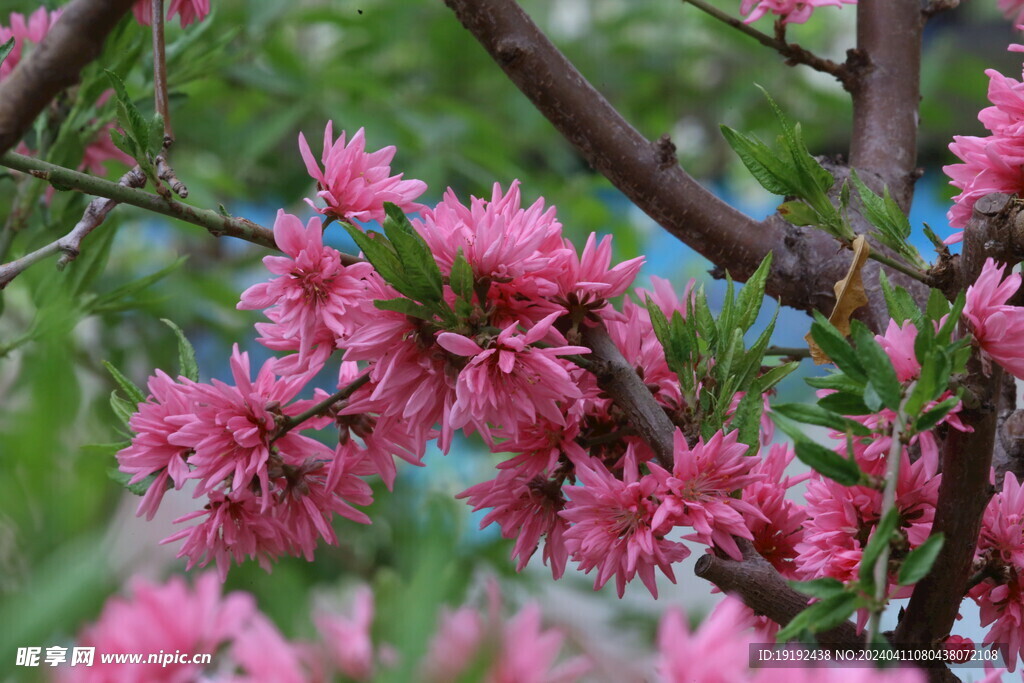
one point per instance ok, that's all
(898, 342)
(313, 293)
(990, 164)
(263, 654)
(1002, 605)
(355, 184)
(775, 539)
(234, 528)
(698, 491)
(170, 405)
(997, 326)
(791, 11)
(715, 653)
(527, 509)
(30, 31)
(613, 527)
(519, 253)
(1013, 10)
(187, 11)
(1002, 529)
(518, 650)
(347, 639)
(163, 618)
(234, 426)
(511, 382)
(590, 277)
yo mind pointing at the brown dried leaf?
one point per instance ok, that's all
(850, 296)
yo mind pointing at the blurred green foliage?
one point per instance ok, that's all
(243, 85)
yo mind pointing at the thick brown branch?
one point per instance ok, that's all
(966, 458)
(805, 264)
(618, 378)
(74, 41)
(885, 93)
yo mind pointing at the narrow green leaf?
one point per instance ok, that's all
(122, 408)
(838, 381)
(135, 394)
(876, 363)
(751, 297)
(880, 539)
(822, 460)
(819, 588)
(846, 403)
(946, 331)
(836, 346)
(821, 616)
(919, 561)
(187, 365)
(135, 286)
(380, 254)
(418, 265)
(461, 278)
(139, 488)
(775, 375)
(132, 122)
(901, 304)
(406, 306)
(798, 213)
(931, 418)
(104, 450)
(123, 143)
(816, 415)
(767, 167)
(155, 137)
(5, 49)
(747, 420)
(937, 306)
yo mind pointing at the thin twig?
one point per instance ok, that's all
(793, 53)
(323, 406)
(216, 223)
(905, 269)
(70, 245)
(164, 170)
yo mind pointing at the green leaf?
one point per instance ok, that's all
(123, 143)
(104, 450)
(901, 304)
(418, 265)
(819, 588)
(846, 403)
(747, 420)
(936, 241)
(5, 49)
(775, 375)
(132, 122)
(768, 168)
(880, 539)
(381, 255)
(122, 408)
(139, 488)
(815, 180)
(838, 381)
(822, 460)
(937, 306)
(821, 616)
(798, 213)
(155, 137)
(876, 363)
(919, 561)
(406, 306)
(751, 296)
(946, 331)
(893, 227)
(134, 393)
(461, 278)
(187, 365)
(836, 347)
(816, 415)
(931, 418)
(135, 286)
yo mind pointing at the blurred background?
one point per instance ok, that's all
(244, 83)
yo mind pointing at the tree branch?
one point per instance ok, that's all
(806, 262)
(793, 53)
(217, 224)
(74, 41)
(886, 92)
(966, 458)
(70, 245)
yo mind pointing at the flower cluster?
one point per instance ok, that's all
(246, 647)
(992, 163)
